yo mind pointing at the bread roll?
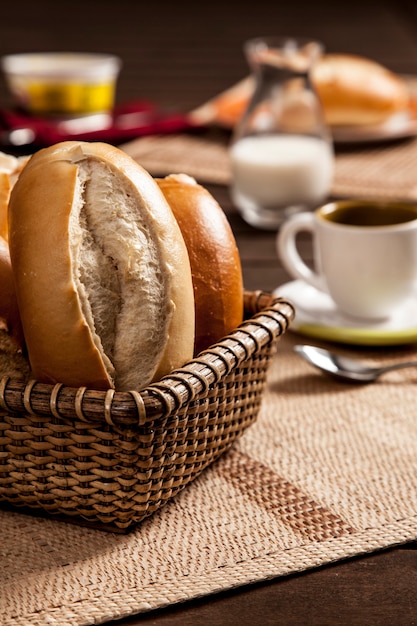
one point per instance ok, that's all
(214, 258)
(102, 274)
(355, 90)
(13, 361)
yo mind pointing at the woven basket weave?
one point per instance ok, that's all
(110, 459)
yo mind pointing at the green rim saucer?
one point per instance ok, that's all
(317, 316)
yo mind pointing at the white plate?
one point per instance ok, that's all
(225, 108)
(398, 126)
(317, 316)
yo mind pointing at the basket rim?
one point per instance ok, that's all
(270, 318)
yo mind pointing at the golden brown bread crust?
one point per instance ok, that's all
(55, 329)
(355, 90)
(63, 343)
(214, 257)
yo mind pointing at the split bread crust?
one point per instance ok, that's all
(102, 273)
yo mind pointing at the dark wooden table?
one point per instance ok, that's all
(179, 54)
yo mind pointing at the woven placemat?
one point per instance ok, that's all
(327, 472)
(202, 155)
(379, 171)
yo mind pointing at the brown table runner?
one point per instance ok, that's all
(327, 472)
(375, 171)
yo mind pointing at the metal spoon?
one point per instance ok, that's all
(345, 368)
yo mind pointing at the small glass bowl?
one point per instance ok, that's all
(62, 83)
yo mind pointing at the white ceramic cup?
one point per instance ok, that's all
(364, 254)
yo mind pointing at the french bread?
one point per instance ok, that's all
(102, 273)
(214, 258)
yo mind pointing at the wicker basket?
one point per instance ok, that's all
(110, 459)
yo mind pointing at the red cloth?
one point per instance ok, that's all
(124, 123)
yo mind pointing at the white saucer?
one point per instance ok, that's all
(317, 316)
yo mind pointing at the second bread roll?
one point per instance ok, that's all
(214, 258)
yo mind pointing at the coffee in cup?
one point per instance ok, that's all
(365, 254)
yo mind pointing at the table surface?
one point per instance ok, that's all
(179, 54)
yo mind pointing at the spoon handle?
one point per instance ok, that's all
(397, 366)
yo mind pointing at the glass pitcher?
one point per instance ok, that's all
(281, 152)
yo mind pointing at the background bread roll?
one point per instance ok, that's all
(355, 90)
(214, 258)
(102, 274)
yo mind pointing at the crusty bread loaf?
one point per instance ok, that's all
(13, 361)
(214, 258)
(355, 90)
(102, 274)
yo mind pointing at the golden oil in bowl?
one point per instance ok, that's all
(62, 83)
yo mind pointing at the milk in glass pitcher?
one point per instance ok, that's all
(281, 152)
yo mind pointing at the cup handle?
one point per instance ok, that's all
(288, 252)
